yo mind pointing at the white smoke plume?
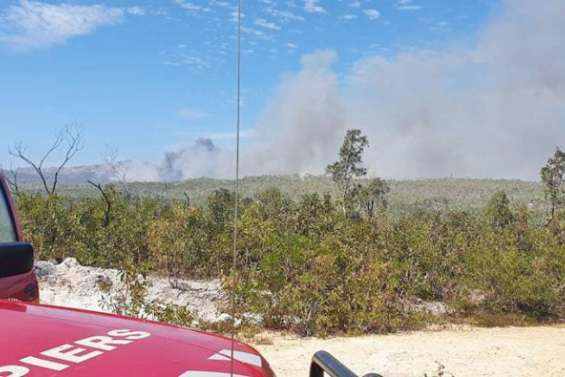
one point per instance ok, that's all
(201, 159)
(494, 109)
(300, 129)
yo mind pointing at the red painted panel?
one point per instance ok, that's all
(32, 332)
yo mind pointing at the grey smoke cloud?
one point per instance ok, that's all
(300, 129)
(495, 109)
(202, 158)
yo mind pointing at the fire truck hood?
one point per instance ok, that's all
(38, 340)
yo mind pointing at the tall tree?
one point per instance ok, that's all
(349, 166)
(373, 195)
(552, 176)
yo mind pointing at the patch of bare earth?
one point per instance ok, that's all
(462, 351)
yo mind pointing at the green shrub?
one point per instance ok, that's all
(305, 266)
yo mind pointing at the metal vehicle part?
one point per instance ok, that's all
(324, 363)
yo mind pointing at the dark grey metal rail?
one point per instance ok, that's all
(325, 363)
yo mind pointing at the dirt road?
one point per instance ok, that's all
(500, 352)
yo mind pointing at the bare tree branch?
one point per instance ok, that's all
(19, 152)
(73, 138)
(56, 144)
(107, 211)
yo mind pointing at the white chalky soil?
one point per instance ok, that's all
(464, 351)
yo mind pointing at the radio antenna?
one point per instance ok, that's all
(236, 204)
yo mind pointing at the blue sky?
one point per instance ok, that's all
(144, 77)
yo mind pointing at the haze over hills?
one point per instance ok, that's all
(70, 175)
(73, 175)
(405, 195)
(142, 171)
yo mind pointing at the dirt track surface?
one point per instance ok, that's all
(465, 352)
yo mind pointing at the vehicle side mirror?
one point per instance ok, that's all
(16, 258)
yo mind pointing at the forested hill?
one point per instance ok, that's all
(405, 195)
